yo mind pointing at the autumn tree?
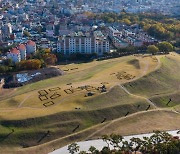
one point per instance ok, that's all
(29, 64)
(50, 59)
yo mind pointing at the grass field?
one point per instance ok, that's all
(167, 100)
(143, 123)
(163, 81)
(28, 120)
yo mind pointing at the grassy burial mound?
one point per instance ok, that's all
(143, 122)
(95, 73)
(135, 63)
(29, 132)
(55, 108)
(116, 96)
(163, 81)
(167, 100)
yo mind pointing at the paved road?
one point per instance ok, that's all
(99, 144)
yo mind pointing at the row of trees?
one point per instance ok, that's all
(164, 47)
(42, 58)
(158, 143)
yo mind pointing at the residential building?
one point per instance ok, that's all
(112, 32)
(7, 30)
(83, 43)
(119, 43)
(31, 47)
(22, 49)
(14, 55)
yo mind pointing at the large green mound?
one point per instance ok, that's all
(161, 86)
(28, 132)
(163, 81)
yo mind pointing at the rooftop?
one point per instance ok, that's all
(14, 51)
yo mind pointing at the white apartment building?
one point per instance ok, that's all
(83, 43)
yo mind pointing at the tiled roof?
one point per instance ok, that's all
(21, 47)
(14, 51)
(31, 43)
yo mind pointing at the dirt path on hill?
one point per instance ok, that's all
(138, 96)
(121, 118)
(144, 72)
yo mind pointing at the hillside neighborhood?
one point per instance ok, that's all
(67, 28)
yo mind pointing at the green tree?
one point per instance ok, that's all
(73, 148)
(136, 143)
(115, 140)
(26, 33)
(106, 139)
(165, 47)
(8, 62)
(126, 21)
(152, 49)
(3, 69)
(105, 150)
(92, 149)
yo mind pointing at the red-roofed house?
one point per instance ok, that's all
(22, 49)
(14, 54)
(31, 47)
